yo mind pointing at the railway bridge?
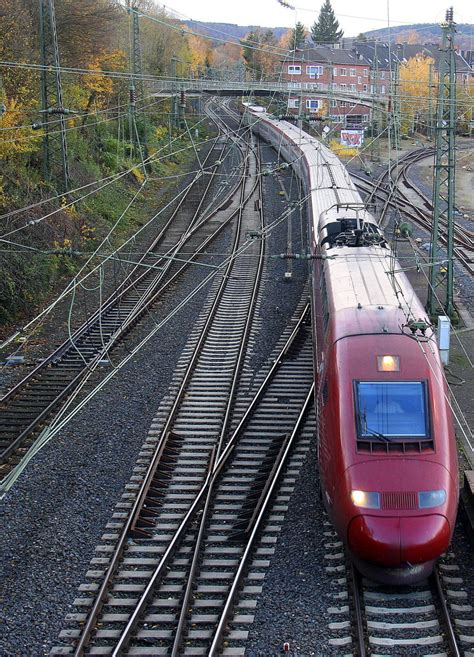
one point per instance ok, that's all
(265, 88)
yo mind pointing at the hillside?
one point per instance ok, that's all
(229, 30)
(422, 33)
(415, 33)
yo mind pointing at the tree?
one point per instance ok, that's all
(408, 36)
(361, 38)
(414, 91)
(259, 52)
(326, 29)
(297, 36)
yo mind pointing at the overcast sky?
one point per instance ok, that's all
(371, 14)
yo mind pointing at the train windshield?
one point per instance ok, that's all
(386, 409)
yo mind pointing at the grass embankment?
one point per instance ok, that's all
(38, 253)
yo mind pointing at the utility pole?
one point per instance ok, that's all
(55, 158)
(136, 87)
(443, 188)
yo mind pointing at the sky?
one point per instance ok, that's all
(373, 14)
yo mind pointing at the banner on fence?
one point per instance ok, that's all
(352, 138)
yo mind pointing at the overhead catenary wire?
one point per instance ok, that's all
(75, 282)
(107, 181)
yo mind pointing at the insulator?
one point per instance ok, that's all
(58, 110)
(133, 96)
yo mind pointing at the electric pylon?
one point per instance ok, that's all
(444, 167)
(55, 159)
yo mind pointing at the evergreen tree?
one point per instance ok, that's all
(297, 36)
(326, 29)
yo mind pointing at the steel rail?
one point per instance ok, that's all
(219, 464)
(175, 652)
(359, 619)
(56, 354)
(141, 496)
(121, 331)
(125, 325)
(128, 630)
(215, 646)
(444, 611)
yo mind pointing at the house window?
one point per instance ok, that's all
(365, 118)
(365, 87)
(314, 71)
(366, 73)
(312, 104)
(359, 80)
(334, 71)
(294, 70)
(342, 103)
(352, 104)
(343, 71)
(333, 103)
(293, 103)
(343, 86)
(352, 87)
(352, 72)
(382, 75)
(382, 89)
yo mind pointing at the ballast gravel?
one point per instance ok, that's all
(56, 513)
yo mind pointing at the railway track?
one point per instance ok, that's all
(396, 190)
(230, 565)
(432, 618)
(167, 578)
(192, 227)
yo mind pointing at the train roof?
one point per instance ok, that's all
(325, 168)
(362, 286)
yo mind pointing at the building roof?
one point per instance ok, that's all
(324, 55)
(386, 56)
(378, 54)
(371, 52)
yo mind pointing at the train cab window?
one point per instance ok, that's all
(391, 409)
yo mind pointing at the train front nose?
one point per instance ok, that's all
(394, 541)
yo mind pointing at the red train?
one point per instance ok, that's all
(386, 443)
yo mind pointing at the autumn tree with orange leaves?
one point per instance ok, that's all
(415, 91)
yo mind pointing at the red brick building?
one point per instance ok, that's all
(332, 70)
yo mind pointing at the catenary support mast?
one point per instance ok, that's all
(55, 158)
(444, 168)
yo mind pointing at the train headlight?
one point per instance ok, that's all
(388, 363)
(366, 500)
(431, 498)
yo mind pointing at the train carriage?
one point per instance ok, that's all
(386, 445)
